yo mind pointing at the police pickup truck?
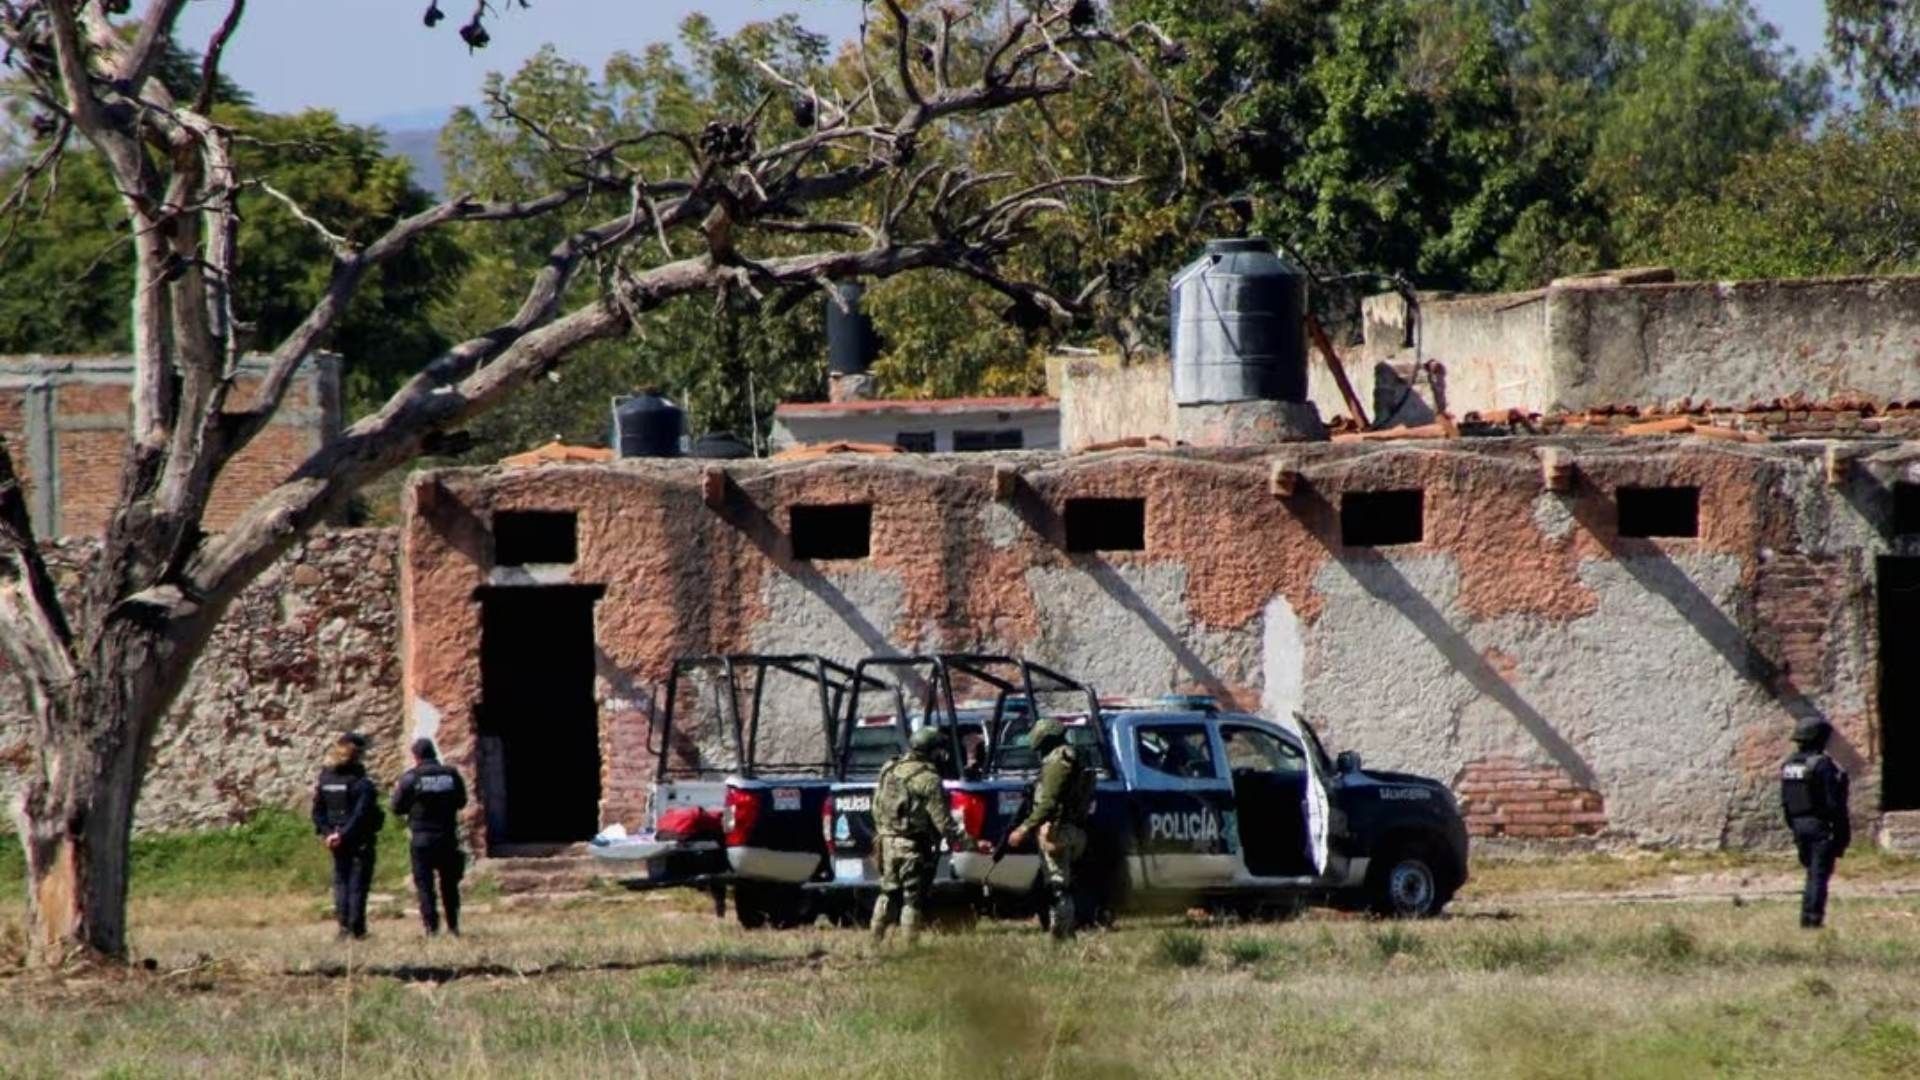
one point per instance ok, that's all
(738, 784)
(741, 779)
(1197, 806)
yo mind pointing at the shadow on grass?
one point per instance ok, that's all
(706, 959)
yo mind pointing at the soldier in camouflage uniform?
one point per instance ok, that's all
(911, 816)
(1062, 802)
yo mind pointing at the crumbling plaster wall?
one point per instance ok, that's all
(306, 651)
(1104, 398)
(1569, 682)
(1587, 344)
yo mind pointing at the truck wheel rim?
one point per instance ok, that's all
(1411, 887)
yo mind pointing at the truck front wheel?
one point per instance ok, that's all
(1403, 884)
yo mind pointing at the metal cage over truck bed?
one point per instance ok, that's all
(690, 810)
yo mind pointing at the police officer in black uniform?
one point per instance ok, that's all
(1813, 794)
(346, 815)
(430, 796)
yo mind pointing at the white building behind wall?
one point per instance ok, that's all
(943, 426)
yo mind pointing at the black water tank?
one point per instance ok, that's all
(851, 344)
(648, 425)
(720, 445)
(1239, 326)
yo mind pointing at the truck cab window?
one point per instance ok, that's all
(1183, 751)
(1250, 750)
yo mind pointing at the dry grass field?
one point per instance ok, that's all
(1579, 967)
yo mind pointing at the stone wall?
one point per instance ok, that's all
(308, 650)
(1587, 343)
(1568, 681)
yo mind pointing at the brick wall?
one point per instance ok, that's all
(13, 427)
(1508, 798)
(64, 421)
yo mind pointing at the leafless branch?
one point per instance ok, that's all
(216, 48)
(340, 244)
(46, 163)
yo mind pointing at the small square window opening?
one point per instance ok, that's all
(1106, 525)
(529, 537)
(843, 531)
(1647, 512)
(1382, 518)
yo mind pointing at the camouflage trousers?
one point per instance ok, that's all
(907, 866)
(1061, 845)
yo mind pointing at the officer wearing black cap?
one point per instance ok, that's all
(1813, 794)
(346, 815)
(430, 796)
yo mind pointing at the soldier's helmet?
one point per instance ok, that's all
(928, 742)
(1046, 734)
(1812, 733)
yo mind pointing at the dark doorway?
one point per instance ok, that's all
(539, 724)
(1899, 586)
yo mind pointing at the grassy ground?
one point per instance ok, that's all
(1520, 982)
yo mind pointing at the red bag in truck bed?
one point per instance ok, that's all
(688, 823)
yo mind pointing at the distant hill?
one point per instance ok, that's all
(422, 147)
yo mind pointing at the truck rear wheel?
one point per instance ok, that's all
(1403, 884)
(749, 907)
(782, 907)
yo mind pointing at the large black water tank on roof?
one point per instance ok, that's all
(648, 425)
(1239, 326)
(720, 445)
(851, 342)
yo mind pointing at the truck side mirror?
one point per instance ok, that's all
(1347, 761)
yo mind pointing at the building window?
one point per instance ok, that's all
(1106, 525)
(1382, 518)
(831, 532)
(528, 537)
(973, 442)
(1658, 511)
(914, 442)
(1906, 509)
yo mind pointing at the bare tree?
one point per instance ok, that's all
(101, 672)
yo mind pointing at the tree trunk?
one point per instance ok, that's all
(75, 814)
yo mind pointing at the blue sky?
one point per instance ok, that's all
(372, 62)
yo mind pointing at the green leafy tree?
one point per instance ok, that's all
(1633, 104)
(1877, 43)
(729, 359)
(1845, 202)
(62, 259)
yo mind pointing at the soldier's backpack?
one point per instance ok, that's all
(892, 804)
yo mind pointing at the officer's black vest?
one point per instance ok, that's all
(1803, 792)
(435, 791)
(336, 795)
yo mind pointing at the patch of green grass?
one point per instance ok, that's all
(669, 977)
(1397, 941)
(275, 852)
(1665, 945)
(1247, 952)
(13, 860)
(1180, 948)
(1530, 952)
(1891, 1045)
